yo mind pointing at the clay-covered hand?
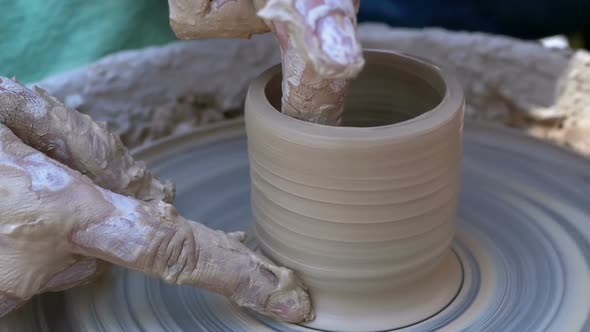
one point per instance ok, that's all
(322, 32)
(72, 196)
(320, 48)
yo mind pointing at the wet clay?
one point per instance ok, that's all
(365, 212)
(320, 48)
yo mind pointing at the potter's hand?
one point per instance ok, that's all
(65, 202)
(322, 33)
(318, 39)
(320, 52)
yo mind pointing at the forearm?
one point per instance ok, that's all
(215, 18)
(320, 54)
(9, 303)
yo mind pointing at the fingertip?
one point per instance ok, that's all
(292, 306)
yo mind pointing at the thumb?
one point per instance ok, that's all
(152, 238)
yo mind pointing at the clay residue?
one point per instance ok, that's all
(79, 273)
(316, 37)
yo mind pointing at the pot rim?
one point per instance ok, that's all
(451, 103)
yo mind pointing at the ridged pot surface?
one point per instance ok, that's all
(364, 212)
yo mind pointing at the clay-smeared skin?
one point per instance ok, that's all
(83, 271)
(154, 239)
(320, 49)
(56, 222)
(320, 54)
(215, 18)
(75, 140)
(308, 96)
(9, 302)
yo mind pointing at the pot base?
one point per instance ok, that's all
(408, 305)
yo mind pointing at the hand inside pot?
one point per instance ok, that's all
(72, 197)
(320, 48)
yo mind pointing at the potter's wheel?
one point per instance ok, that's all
(523, 242)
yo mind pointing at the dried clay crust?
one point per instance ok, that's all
(151, 93)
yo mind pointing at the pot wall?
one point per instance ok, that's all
(367, 208)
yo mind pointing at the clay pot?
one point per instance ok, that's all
(365, 212)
